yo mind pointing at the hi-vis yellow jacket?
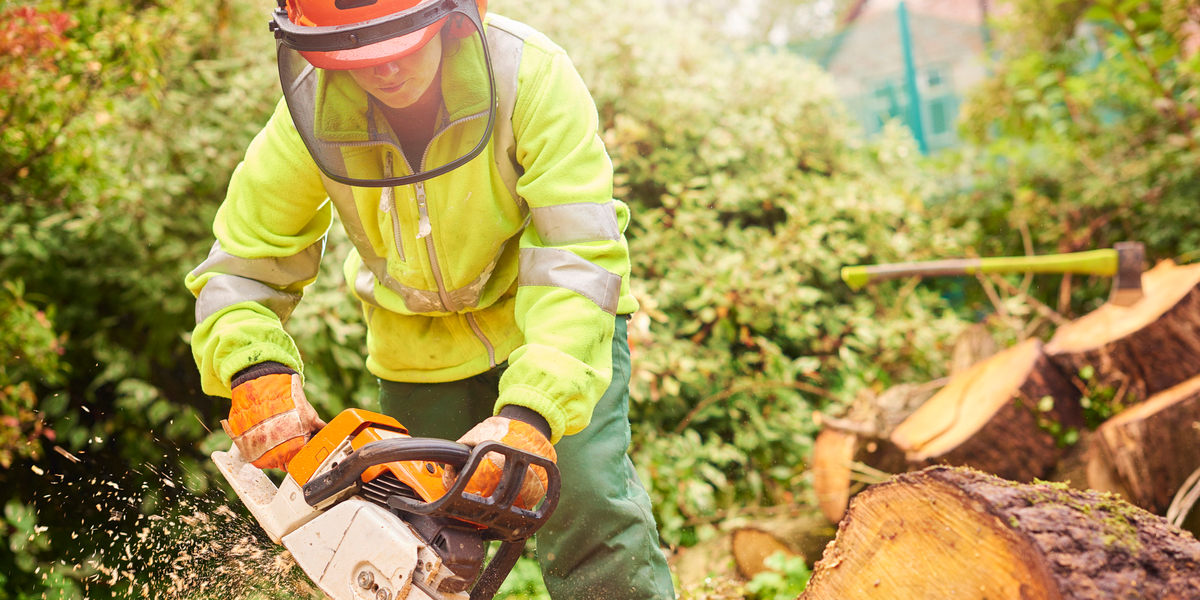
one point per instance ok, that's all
(520, 254)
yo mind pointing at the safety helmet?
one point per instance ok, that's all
(351, 130)
(350, 13)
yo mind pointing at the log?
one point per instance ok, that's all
(839, 461)
(1142, 349)
(743, 544)
(833, 455)
(752, 548)
(848, 446)
(950, 532)
(1147, 452)
(1009, 415)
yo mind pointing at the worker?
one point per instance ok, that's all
(461, 153)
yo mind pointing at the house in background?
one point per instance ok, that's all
(888, 52)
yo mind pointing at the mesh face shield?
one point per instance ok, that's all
(436, 101)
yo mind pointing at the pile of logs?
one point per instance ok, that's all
(1018, 414)
(957, 530)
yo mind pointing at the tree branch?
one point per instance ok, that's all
(1037, 305)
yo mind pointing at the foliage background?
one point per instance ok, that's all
(750, 187)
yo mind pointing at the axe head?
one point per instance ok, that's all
(1127, 284)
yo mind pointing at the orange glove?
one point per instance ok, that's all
(270, 419)
(519, 435)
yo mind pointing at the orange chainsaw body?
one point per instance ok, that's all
(362, 427)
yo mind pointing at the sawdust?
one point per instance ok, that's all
(143, 543)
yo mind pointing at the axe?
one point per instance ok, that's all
(1122, 262)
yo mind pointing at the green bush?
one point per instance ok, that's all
(120, 124)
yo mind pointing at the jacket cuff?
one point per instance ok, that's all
(527, 416)
(537, 401)
(260, 370)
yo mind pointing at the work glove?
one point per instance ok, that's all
(270, 420)
(511, 432)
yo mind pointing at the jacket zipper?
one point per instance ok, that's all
(447, 302)
(483, 338)
(389, 197)
(426, 227)
(426, 231)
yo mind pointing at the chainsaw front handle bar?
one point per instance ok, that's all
(497, 512)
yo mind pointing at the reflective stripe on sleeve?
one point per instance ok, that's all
(559, 268)
(277, 271)
(576, 222)
(223, 291)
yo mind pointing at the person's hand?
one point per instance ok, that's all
(270, 420)
(519, 435)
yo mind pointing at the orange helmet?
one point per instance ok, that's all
(382, 30)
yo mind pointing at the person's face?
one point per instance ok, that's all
(401, 82)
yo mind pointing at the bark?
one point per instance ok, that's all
(1142, 349)
(957, 533)
(1009, 415)
(1147, 452)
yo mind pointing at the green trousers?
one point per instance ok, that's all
(601, 543)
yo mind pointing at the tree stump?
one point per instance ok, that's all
(1147, 452)
(956, 533)
(1142, 349)
(1010, 415)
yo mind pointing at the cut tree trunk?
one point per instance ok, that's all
(1141, 349)
(839, 459)
(1147, 452)
(860, 441)
(1009, 415)
(956, 533)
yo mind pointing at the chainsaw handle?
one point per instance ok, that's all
(497, 512)
(348, 472)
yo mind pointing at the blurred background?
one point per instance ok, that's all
(762, 144)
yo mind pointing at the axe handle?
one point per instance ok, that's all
(1095, 262)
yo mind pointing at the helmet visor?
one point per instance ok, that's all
(403, 119)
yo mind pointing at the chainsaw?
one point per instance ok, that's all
(364, 511)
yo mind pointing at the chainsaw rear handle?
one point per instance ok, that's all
(497, 512)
